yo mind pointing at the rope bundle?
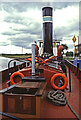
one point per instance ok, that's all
(57, 97)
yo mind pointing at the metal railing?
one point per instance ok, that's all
(74, 69)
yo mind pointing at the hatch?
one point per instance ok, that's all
(19, 90)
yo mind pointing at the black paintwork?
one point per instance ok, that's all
(47, 32)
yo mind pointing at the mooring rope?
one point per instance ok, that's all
(58, 98)
(10, 116)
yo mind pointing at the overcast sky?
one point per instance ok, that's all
(21, 24)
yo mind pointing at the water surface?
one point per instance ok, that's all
(4, 63)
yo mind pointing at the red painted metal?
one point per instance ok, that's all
(49, 110)
(36, 50)
(27, 71)
(60, 49)
(49, 72)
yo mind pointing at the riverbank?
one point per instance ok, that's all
(23, 56)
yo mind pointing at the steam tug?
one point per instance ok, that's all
(45, 86)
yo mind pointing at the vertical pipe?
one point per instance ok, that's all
(33, 59)
(78, 47)
(47, 30)
(14, 64)
(77, 67)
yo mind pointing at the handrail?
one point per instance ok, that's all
(74, 69)
(17, 59)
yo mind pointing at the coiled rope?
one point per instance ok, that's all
(58, 98)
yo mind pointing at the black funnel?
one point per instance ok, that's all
(47, 30)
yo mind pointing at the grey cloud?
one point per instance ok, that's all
(22, 41)
(65, 31)
(20, 6)
(20, 44)
(24, 6)
(60, 5)
(34, 30)
(14, 19)
(3, 44)
(10, 7)
(36, 27)
(9, 33)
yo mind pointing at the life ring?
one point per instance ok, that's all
(16, 74)
(61, 76)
